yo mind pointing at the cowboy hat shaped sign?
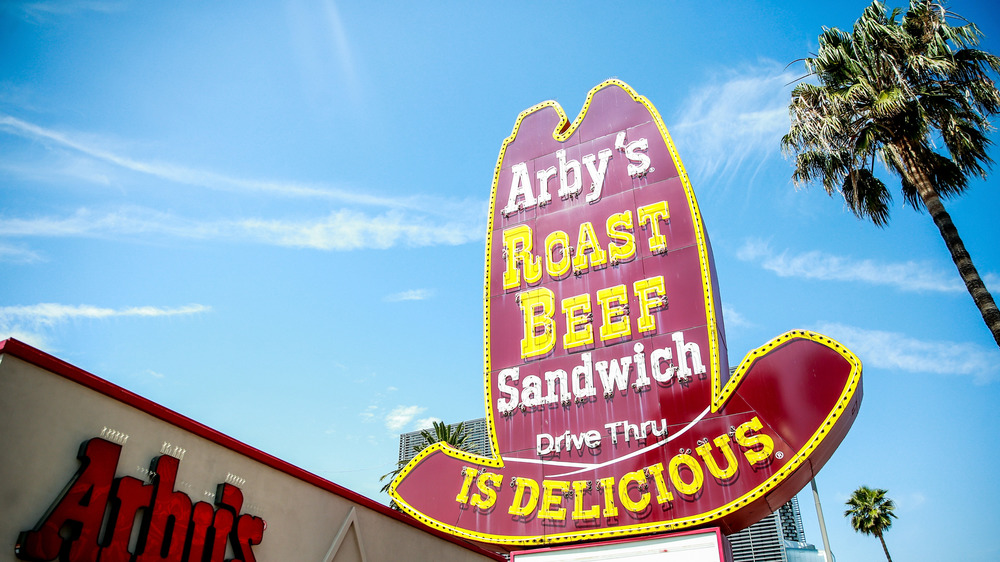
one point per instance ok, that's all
(611, 406)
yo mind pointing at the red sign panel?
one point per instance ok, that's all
(608, 390)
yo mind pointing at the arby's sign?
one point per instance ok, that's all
(174, 527)
(609, 395)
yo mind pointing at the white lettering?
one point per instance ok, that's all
(531, 394)
(543, 444)
(583, 378)
(683, 349)
(543, 185)
(641, 379)
(615, 378)
(570, 173)
(546, 444)
(556, 379)
(635, 431)
(520, 186)
(567, 189)
(657, 358)
(638, 161)
(507, 404)
(616, 375)
(597, 174)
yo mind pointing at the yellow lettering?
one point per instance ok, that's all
(608, 486)
(579, 489)
(469, 474)
(634, 506)
(579, 330)
(517, 249)
(557, 268)
(754, 455)
(663, 495)
(519, 507)
(652, 295)
(614, 317)
(619, 227)
(588, 252)
(653, 214)
(705, 451)
(552, 491)
(487, 483)
(537, 307)
(697, 476)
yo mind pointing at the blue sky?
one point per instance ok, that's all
(271, 218)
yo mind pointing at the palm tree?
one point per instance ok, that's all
(455, 435)
(894, 90)
(871, 513)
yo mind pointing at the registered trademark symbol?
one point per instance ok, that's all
(779, 455)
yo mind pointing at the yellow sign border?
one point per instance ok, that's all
(720, 395)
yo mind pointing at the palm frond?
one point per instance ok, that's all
(870, 511)
(866, 196)
(895, 79)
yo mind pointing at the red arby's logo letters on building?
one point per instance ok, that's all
(172, 526)
(608, 390)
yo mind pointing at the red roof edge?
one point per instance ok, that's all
(41, 359)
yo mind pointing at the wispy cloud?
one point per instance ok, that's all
(411, 295)
(910, 501)
(30, 323)
(340, 43)
(400, 416)
(323, 51)
(734, 319)
(895, 351)
(738, 116)
(30, 337)
(66, 169)
(905, 276)
(340, 230)
(353, 230)
(14, 254)
(371, 221)
(425, 423)
(369, 413)
(95, 148)
(50, 314)
(39, 11)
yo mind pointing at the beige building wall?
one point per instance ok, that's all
(49, 408)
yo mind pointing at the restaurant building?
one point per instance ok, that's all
(91, 471)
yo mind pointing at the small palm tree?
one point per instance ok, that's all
(895, 90)
(871, 513)
(455, 435)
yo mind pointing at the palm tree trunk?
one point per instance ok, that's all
(919, 177)
(882, 540)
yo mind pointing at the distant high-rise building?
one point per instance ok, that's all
(779, 537)
(803, 552)
(478, 442)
